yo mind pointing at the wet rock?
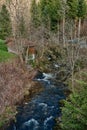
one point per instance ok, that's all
(39, 75)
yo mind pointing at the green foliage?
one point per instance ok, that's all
(47, 13)
(3, 45)
(76, 8)
(5, 56)
(74, 113)
(82, 8)
(5, 24)
(35, 14)
(72, 8)
(22, 28)
(8, 114)
(50, 12)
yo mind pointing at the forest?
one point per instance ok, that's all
(42, 37)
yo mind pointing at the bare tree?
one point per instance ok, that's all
(20, 23)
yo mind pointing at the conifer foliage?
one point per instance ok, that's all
(47, 12)
(35, 14)
(5, 23)
(74, 113)
(51, 12)
(72, 8)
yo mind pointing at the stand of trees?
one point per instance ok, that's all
(60, 16)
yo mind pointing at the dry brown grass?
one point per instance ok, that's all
(13, 81)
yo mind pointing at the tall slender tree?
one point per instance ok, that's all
(5, 23)
(63, 16)
(72, 15)
(82, 11)
(35, 14)
(50, 11)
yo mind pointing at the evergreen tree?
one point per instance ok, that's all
(82, 9)
(77, 10)
(74, 113)
(22, 29)
(72, 8)
(35, 14)
(50, 13)
(5, 23)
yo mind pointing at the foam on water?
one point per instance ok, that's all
(46, 77)
(41, 111)
(56, 66)
(31, 124)
(49, 120)
(44, 106)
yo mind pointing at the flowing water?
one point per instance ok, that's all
(41, 111)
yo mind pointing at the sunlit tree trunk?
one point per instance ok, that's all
(64, 31)
(79, 29)
(75, 28)
(58, 32)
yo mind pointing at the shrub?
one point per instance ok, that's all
(74, 113)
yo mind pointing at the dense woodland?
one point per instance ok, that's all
(59, 30)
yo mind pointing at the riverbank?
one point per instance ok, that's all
(15, 83)
(17, 86)
(40, 111)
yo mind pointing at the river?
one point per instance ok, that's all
(42, 110)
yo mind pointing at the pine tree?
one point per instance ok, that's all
(50, 13)
(77, 10)
(35, 14)
(82, 12)
(82, 8)
(5, 23)
(72, 8)
(74, 113)
(22, 29)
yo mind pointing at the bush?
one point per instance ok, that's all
(74, 113)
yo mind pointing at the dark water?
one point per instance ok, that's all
(41, 111)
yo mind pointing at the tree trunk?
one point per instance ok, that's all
(75, 27)
(26, 56)
(64, 31)
(79, 29)
(72, 80)
(58, 32)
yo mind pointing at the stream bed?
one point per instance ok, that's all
(42, 110)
